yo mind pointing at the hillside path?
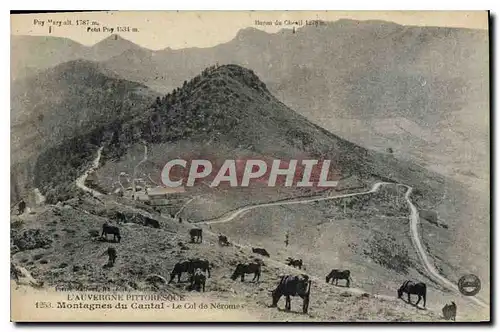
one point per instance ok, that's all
(80, 181)
(413, 217)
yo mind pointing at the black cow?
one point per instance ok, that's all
(110, 229)
(450, 311)
(290, 285)
(152, 222)
(242, 269)
(111, 252)
(261, 251)
(410, 287)
(223, 240)
(198, 280)
(189, 266)
(294, 262)
(196, 235)
(335, 275)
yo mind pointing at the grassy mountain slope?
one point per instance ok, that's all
(71, 258)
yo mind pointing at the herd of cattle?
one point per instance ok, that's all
(289, 285)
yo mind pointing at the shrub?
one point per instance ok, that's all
(31, 239)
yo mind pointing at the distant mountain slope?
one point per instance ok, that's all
(32, 54)
(68, 100)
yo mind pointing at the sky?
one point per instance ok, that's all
(160, 29)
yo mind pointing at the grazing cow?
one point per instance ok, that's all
(242, 269)
(450, 311)
(152, 222)
(111, 256)
(196, 235)
(293, 286)
(294, 262)
(189, 266)
(223, 240)
(198, 280)
(110, 229)
(261, 251)
(335, 275)
(410, 287)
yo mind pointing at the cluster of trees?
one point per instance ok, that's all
(193, 108)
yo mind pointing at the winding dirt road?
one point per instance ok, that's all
(235, 213)
(413, 217)
(80, 182)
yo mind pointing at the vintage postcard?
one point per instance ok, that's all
(250, 166)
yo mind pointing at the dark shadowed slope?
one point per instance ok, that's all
(64, 102)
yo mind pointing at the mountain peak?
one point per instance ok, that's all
(234, 72)
(251, 33)
(114, 38)
(111, 46)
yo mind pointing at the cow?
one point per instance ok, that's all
(261, 251)
(223, 240)
(189, 266)
(450, 311)
(152, 222)
(198, 280)
(111, 252)
(291, 285)
(411, 287)
(294, 262)
(110, 229)
(196, 235)
(242, 269)
(335, 275)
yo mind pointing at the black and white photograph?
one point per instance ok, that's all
(250, 166)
